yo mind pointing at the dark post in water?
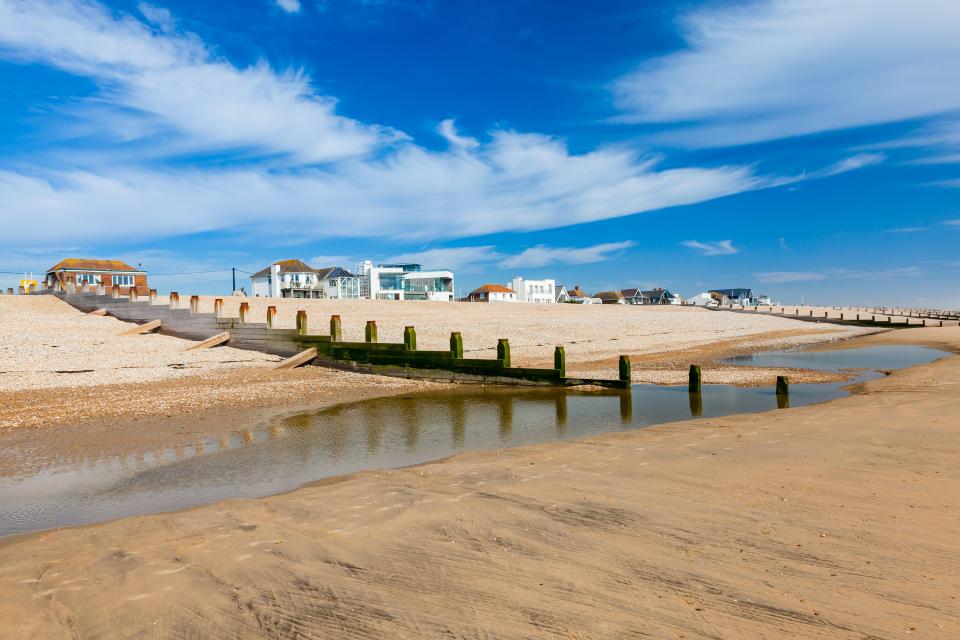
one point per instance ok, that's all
(696, 379)
(503, 351)
(456, 345)
(625, 375)
(783, 392)
(560, 361)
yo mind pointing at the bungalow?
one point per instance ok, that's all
(492, 293)
(707, 299)
(88, 271)
(634, 296)
(737, 296)
(577, 294)
(610, 297)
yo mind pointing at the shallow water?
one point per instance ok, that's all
(293, 450)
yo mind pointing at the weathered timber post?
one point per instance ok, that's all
(336, 329)
(941, 323)
(826, 314)
(218, 307)
(101, 289)
(370, 331)
(696, 404)
(194, 304)
(841, 316)
(858, 317)
(695, 384)
(244, 311)
(889, 319)
(811, 313)
(503, 351)
(21, 290)
(9, 291)
(271, 315)
(783, 392)
(456, 345)
(409, 339)
(924, 323)
(625, 375)
(114, 290)
(134, 294)
(174, 300)
(302, 322)
(560, 361)
(626, 406)
(153, 296)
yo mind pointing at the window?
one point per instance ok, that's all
(123, 281)
(88, 278)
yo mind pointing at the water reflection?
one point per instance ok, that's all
(292, 450)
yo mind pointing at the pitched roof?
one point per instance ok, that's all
(91, 264)
(493, 288)
(577, 292)
(608, 295)
(287, 266)
(334, 272)
(631, 293)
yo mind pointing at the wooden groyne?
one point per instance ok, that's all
(856, 316)
(403, 360)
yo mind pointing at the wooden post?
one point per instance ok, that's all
(21, 291)
(695, 384)
(244, 311)
(370, 331)
(456, 345)
(153, 296)
(841, 316)
(783, 385)
(336, 329)
(174, 300)
(9, 291)
(409, 339)
(302, 322)
(218, 307)
(114, 291)
(560, 361)
(624, 366)
(271, 315)
(133, 294)
(503, 351)
(194, 304)
(811, 313)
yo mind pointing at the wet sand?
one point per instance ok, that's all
(831, 521)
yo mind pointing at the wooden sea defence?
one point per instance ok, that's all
(371, 356)
(885, 318)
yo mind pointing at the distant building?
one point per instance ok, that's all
(634, 296)
(610, 297)
(407, 281)
(297, 279)
(737, 296)
(492, 293)
(578, 295)
(560, 294)
(540, 291)
(81, 271)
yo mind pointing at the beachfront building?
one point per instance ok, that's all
(406, 281)
(610, 297)
(93, 272)
(634, 296)
(561, 295)
(737, 296)
(578, 295)
(706, 299)
(540, 291)
(297, 279)
(492, 293)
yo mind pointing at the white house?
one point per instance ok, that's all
(493, 293)
(297, 279)
(703, 299)
(405, 282)
(542, 291)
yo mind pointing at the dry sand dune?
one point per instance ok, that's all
(830, 521)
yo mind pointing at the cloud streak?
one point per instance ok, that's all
(772, 69)
(714, 248)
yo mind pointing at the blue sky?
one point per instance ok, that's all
(806, 148)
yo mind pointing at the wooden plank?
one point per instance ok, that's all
(153, 325)
(301, 358)
(212, 341)
(98, 312)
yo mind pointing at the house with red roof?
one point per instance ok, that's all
(95, 271)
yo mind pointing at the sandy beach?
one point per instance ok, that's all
(831, 521)
(47, 345)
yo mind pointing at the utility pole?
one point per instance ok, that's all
(234, 271)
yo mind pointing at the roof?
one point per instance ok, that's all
(631, 293)
(577, 292)
(734, 293)
(334, 272)
(286, 266)
(91, 264)
(608, 295)
(493, 288)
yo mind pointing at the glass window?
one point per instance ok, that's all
(123, 281)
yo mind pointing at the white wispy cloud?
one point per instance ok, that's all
(714, 248)
(771, 69)
(781, 277)
(290, 6)
(907, 230)
(164, 93)
(541, 255)
(456, 258)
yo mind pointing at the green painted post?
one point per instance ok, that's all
(625, 375)
(302, 322)
(560, 361)
(409, 339)
(370, 332)
(503, 351)
(695, 379)
(336, 329)
(456, 345)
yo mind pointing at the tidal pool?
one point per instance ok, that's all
(294, 449)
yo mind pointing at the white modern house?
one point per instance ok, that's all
(704, 299)
(297, 279)
(541, 291)
(405, 282)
